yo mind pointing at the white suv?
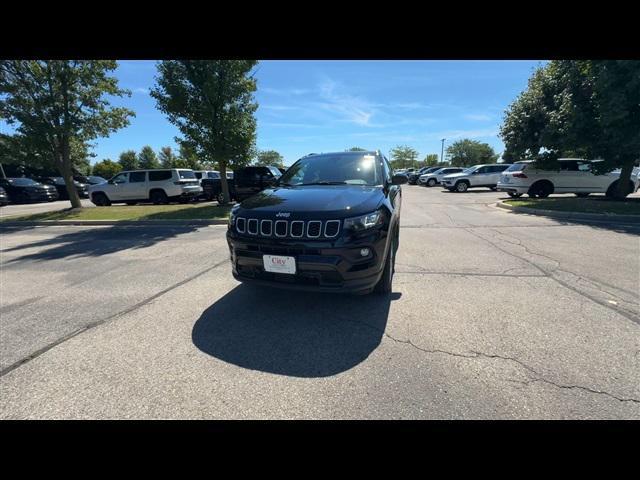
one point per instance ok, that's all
(433, 178)
(476, 176)
(575, 176)
(157, 186)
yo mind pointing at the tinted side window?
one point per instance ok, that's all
(569, 166)
(198, 175)
(159, 175)
(137, 177)
(482, 170)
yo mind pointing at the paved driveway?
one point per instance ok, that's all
(493, 315)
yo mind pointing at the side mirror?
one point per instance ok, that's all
(399, 180)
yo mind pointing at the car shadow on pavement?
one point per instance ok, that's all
(297, 334)
(96, 241)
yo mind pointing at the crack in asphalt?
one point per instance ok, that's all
(621, 311)
(97, 323)
(474, 354)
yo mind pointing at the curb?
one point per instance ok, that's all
(571, 215)
(43, 223)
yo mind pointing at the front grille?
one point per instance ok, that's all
(311, 229)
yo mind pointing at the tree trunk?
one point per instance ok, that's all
(223, 182)
(624, 181)
(67, 174)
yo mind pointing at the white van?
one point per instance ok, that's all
(157, 186)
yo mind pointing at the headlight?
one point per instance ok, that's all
(364, 222)
(232, 215)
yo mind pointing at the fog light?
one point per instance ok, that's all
(364, 252)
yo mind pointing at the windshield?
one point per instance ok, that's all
(186, 174)
(21, 182)
(96, 180)
(331, 169)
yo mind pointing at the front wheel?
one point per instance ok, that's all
(462, 187)
(385, 284)
(431, 182)
(101, 200)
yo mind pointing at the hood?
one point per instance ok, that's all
(323, 200)
(454, 175)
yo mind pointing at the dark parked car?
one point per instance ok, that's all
(23, 190)
(250, 180)
(244, 182)
(58, 183)
(4, 198)
(212, 189)
(94, 180)
(330, 223)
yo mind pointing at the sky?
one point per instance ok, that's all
(323, 106)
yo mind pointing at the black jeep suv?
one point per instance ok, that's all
(330, 223)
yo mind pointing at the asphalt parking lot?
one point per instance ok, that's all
(494, 315)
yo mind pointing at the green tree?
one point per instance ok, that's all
(466, 152)
(167, 157)
(211, 102)
(107, 168)
(584, 108)
(188, 156)
(404, 157)
(128, 160)
(269, 158)
(147, 158)
(55, 103)
(431, 160)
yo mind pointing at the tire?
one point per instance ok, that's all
(385, 284)
(462, 186)
(514, 194)
(582, 195)
(220, 198)
(101, 200)
(431, 182)
(158, 197)
(541, 189)
(612, 189)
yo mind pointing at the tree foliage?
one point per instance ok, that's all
(54, 103)
(578, 108)
(147, 158)
(269, 158)
(128, 160)
(431, 160)
(107, 168)
(167, 157)
(467, 152)
(211, 102)
(404, 156)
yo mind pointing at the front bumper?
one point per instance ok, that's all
(321, 266)
(42, 196)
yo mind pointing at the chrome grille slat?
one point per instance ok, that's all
(286, 228)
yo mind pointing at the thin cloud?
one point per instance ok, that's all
(478, 117)
(350, 108)
(142, 90)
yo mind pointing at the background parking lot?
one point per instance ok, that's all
(493, 315)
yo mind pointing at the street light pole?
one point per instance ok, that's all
(442, 152)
